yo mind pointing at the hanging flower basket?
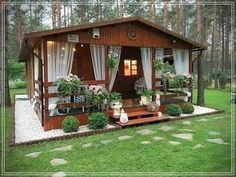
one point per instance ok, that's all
(113, 61)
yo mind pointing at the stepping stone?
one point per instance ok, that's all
(157, 138)
(185, 136)
(174, 142)
(87, 145)
(217, 141)
(187, 130)
(64, 148)
(145, 142)
(58, 161)
(33, 154)
(59, 174)
(186, 122)
(214, 133)
(145, 132)
(198, 146)
(215, 118)
(165, 128)
(104, 142)
(202, 120)
(125, 137)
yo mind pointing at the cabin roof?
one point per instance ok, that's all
(40, 34)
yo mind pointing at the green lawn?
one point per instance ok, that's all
(131, 155)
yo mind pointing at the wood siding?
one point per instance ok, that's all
(118, 35)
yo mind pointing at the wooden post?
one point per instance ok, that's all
(45, 80)
(106, 67)
(191, 72)
(153, 70)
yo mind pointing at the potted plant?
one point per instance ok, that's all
(114, 99)
(146, 96)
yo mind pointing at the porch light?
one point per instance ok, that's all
(63, 48)
(74, 49)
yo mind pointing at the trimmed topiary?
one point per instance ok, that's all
(187, 108)
(173, 110)
(97, 120)
(70, 124)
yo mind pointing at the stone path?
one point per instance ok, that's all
(157, 138)
(64, 148)
(186, 122)
(59, 174)
(145, 142)
(33, 154)
(217, 141)
(125, 137)
(87, 145)
(198, 146)
(185, 136)
(104, 142)
(174, 142)
(215, 118)
(165, 128)
(145, 132)
(186, 130)
(202, 120)
(58, 161)
(214, 133)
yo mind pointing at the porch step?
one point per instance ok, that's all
(137, 114)
(140, 121)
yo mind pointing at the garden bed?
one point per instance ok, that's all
(28, 129)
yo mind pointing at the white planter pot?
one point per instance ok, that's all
(124, 118)
(146, 100)
(114, 103)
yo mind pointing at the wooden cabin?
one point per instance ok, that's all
(83, 51)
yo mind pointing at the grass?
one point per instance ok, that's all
(130, 155)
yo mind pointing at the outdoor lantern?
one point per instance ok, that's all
(123, 117)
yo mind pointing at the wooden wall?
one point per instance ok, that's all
(82, 64)
(117, 34)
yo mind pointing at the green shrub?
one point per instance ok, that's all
(173, 110)
(19, 84)
(70, 124)
(97, 120)
(187, 108)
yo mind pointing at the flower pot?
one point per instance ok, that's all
(146, 100)
(114, 103)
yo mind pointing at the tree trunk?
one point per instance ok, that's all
(6, 80)
(121, 9)
(18, 22)
(165, 14)
(82, 12)
(56, 14)
(200, 32)
(178, 17)
(227, 40)
(152, 11)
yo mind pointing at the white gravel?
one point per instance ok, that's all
(28, 126)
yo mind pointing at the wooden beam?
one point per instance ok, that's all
(106, 67)
(45, 70)
(190, 72)
(152, 69)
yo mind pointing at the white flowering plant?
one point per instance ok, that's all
(113, 62)
(177, 81)
(68, 85)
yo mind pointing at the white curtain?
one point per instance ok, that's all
(146, 55)
(160, 53)
(181, 61)
(98, 60)
(112, 73)
(36, 68)
(60, 60)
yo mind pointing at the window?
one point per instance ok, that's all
(130, 67)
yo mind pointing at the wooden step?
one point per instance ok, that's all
(137, 114)
(142, 121)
